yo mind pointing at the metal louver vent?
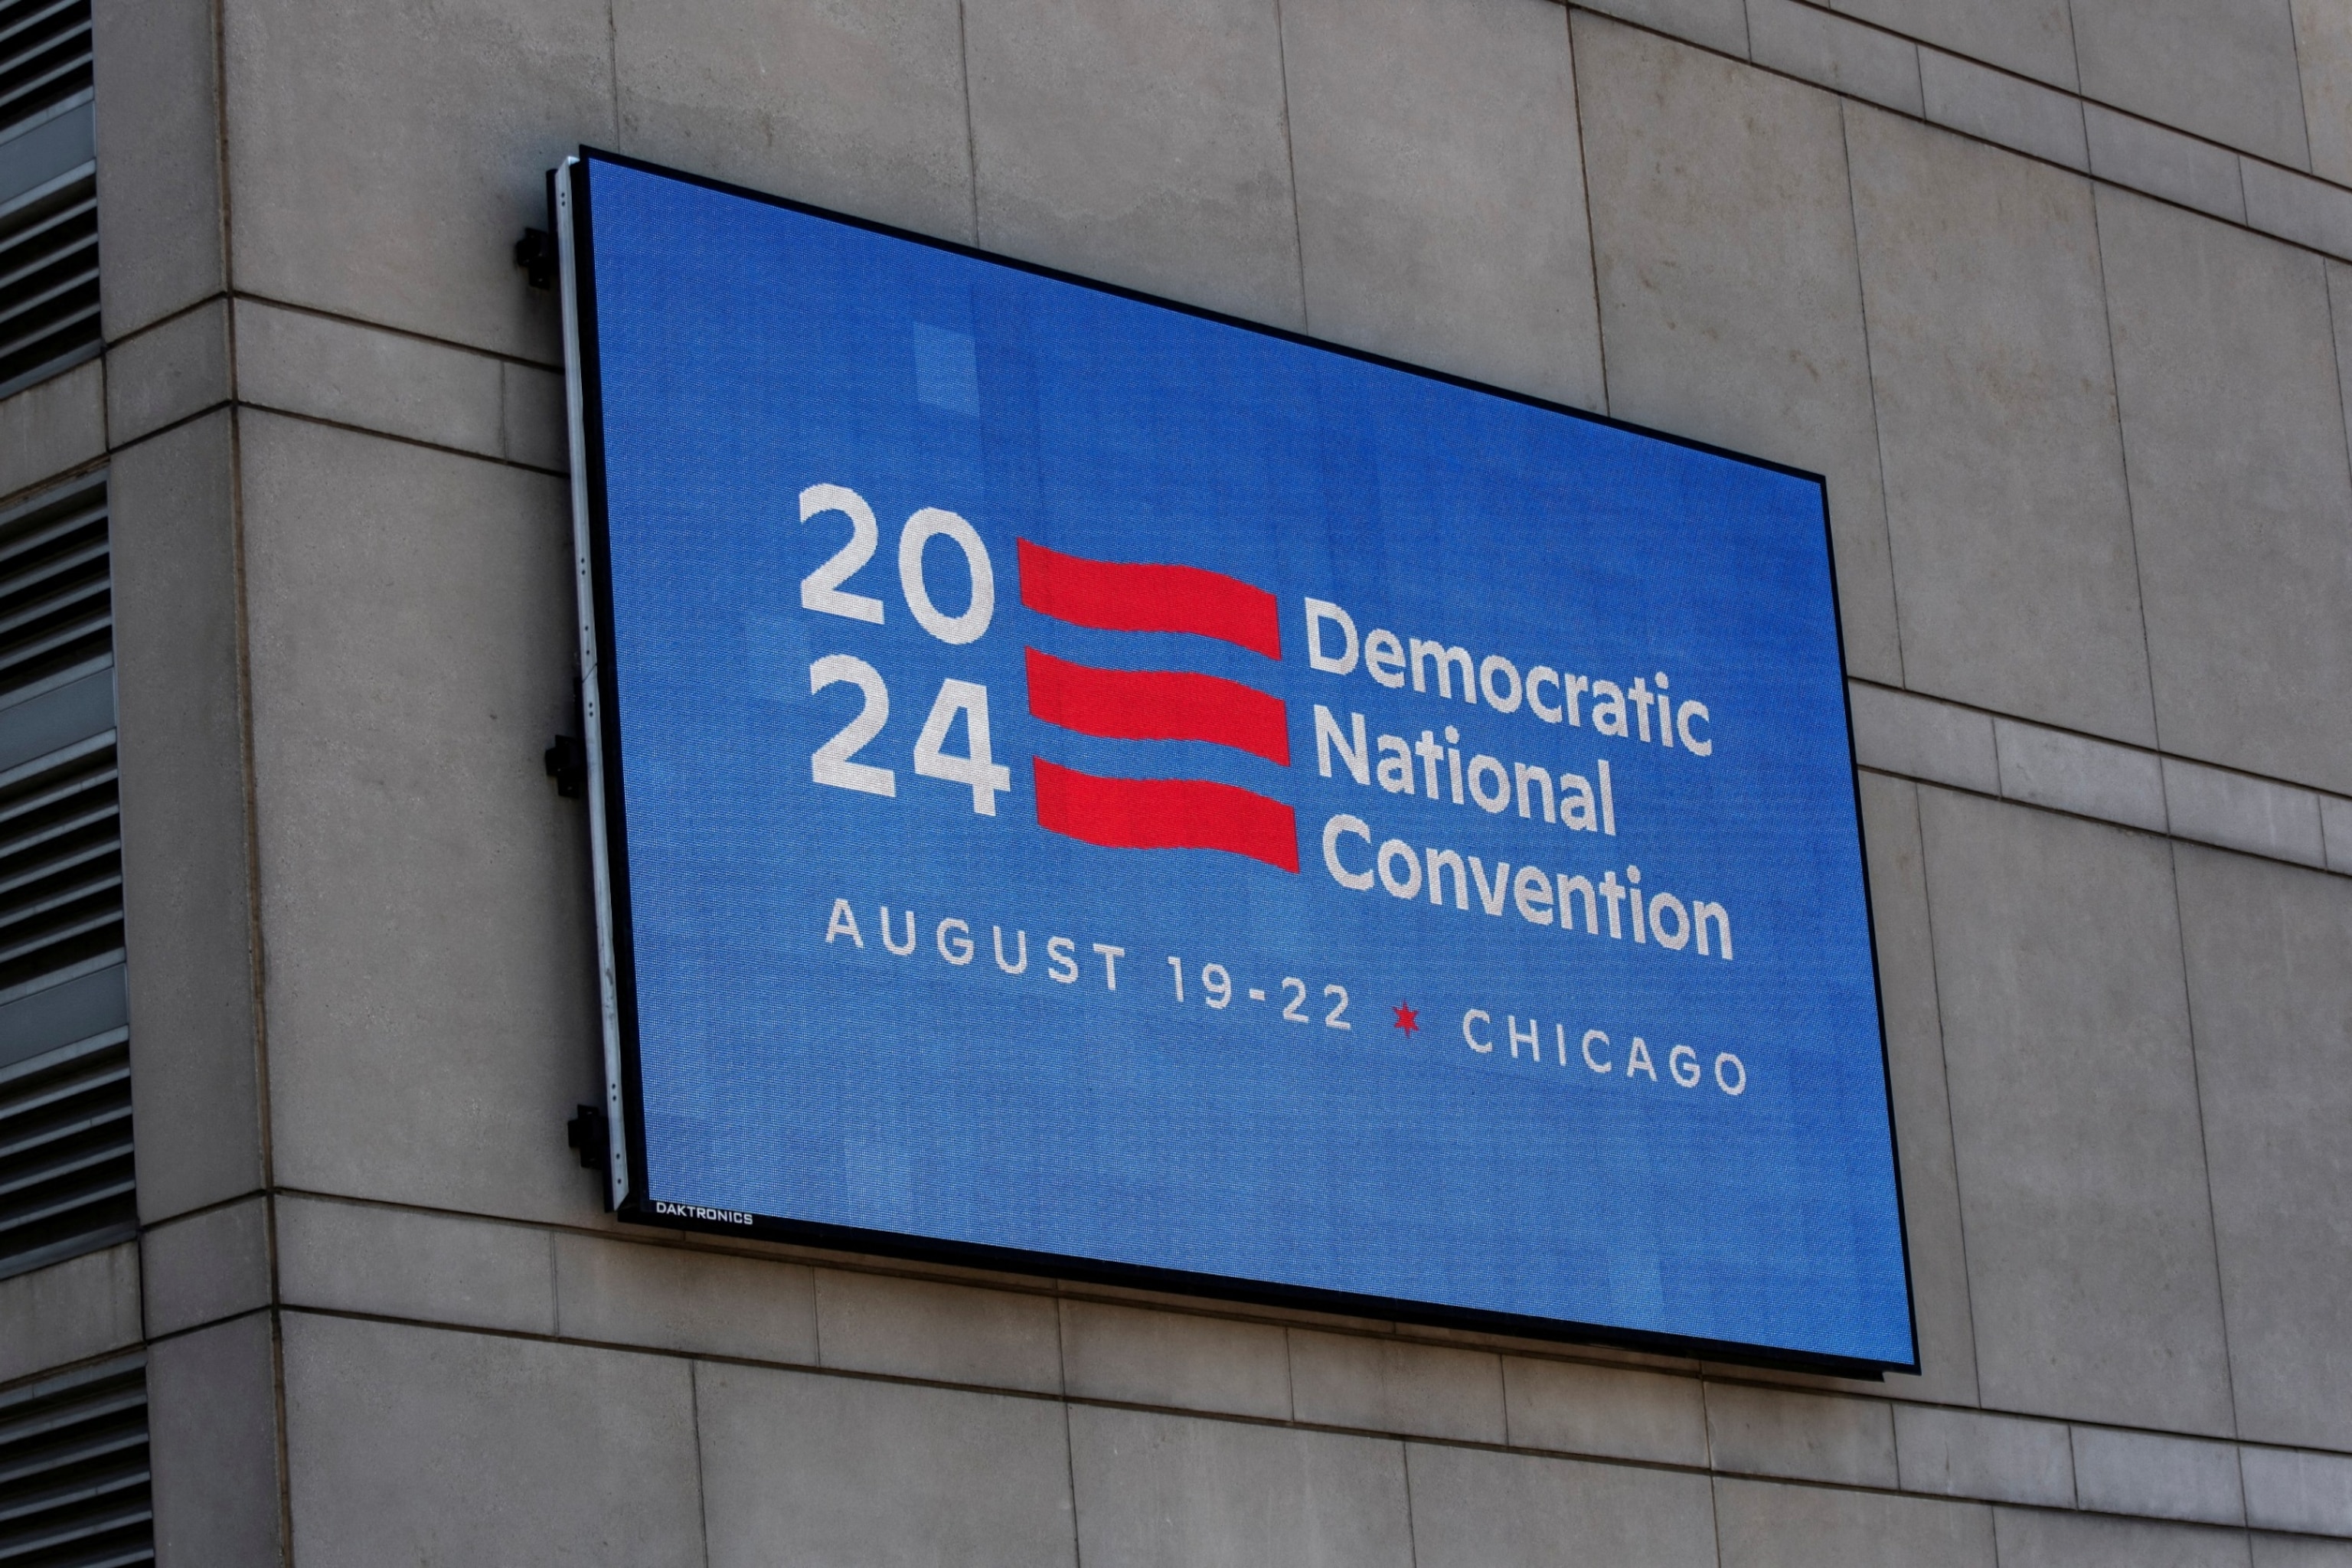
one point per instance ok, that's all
(49, 191)
(73, 1470)
(65, 1069)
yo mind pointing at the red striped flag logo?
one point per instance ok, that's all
(1156, 705)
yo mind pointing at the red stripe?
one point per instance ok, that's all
(1157, 705)
(1117, 597)
(1165, 813)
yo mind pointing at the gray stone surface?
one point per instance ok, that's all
(1390, 1385)
(1139, 142)
(1923, 1117)
(684, 1299)
(2163, 163)
(923, 1328)
(1999, 1458)
(2323, 53)
(420, 1445)
(2293, 1489)
(1980, 275)
(1155, 1489)
(1978, 101)
(2299, 1551)
(1731, 305)
(1923, 739)
(1760, 1524)
(1473, 1509)
(68, 1312)
(1807, 1437)
(2157, 1477)
(2074, 1111)
(804, 1468)
(2241, 499)
(1142, 1357)
(391, 383)
(399, 1263)
(2036, 1540)
(1612, 1411)
(51, 427)
(167, 372)
(411, 640)
(858, 108)
(2272, 998)
(1718, 25)
(2336, 829)
(205, 1266)
(2220, 69)
(534, 428)
(2307, 211)
(2029, 36)
(2077, 773)
(159, 207)
(385, 159)
(187, 917)
(1440, 209)
(2241, 812)
(1821, 47)
(212, 1447)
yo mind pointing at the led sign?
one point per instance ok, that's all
(1092, 786)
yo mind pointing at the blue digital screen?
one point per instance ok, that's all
(1113, 785)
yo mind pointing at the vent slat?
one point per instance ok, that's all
(74, 1483)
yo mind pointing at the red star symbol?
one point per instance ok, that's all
(1407, 1019)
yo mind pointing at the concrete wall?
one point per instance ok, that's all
(2051, 292)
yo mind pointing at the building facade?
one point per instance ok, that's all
(297, 982)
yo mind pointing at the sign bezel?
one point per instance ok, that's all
(624, 1173)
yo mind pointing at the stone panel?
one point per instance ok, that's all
(2323, 52)
(187, 916)
(387, 1262)
(2073, 773)
(159, 129)
(1923, 1117)
(51, 427)
(2157, 1477)
(384, 158)
(1821, 46)
(167, 372)
(1166, 1490)
(921, 1328)
(1771, 1432)
(1143, 1357)
(1977, 101)
(1729, 301)
(1999, 1458)
(1473, 1509)
(2293, 1489)
(1441, 208)
(2272, 997)
(411, 1445)
(2163, 163)
(431, 988)
(2039, 1540)
(206, 1267)
(1923, 739)
(1617, 1412)
(1718, 25)
(2074, 1111)
(2016, 581)
(800, 1468)
(2241, 499)
(683, 1298)
(1764, 1525)
(70, 1311)
(2221, 69)
(212, 1447)
(1389, 1385)
(391, 383)
(1139, 142)
(2029, 36)
(858, 108)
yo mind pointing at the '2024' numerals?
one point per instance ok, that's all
(823, 591)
